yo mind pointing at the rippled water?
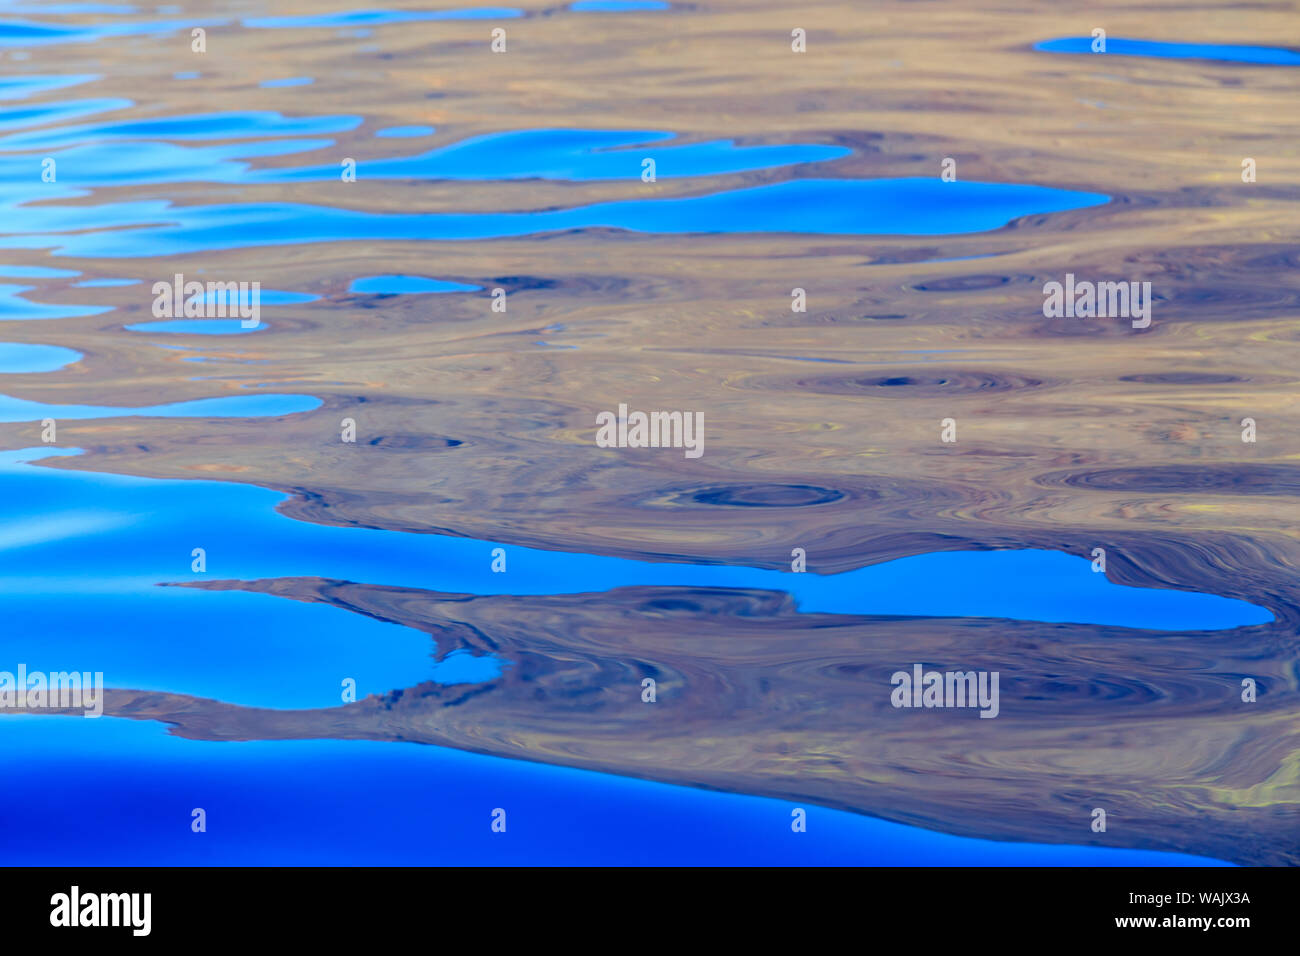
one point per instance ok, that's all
(495, 585)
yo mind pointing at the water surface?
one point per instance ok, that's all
(1226, 53)
(372, 561)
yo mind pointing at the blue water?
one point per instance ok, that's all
(61, 9)
(569, 154)
(229, 298)
(199, 148)
(118, 9)
(407, 285)
(197, 127)
(617, 6)
(196, 327)
(55, 112)
(246, 537)
(91, 155)
(20, 87)
(353, 18)
(13, 307)
(97, 546)
(818, 206)
(44, 33)
(1118, 46)
(288, 81)
(404, 132)
(345, 802)
(36, 272)
(231, 406)
(18, 357)
(104, 283)
(93, 548)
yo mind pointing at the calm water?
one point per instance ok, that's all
(59, 524)
(83, 553)
(1119, 46)
(328, 803)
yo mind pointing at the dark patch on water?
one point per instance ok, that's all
(415, 442)
(965, 283)
(1184, 378)
(760, 496)
(911, 383)
(1228, 478)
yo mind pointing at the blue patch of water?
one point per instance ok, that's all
(404, 132)
(407, 285)
(36, 272)
(573, 155)
(298, 802)
(251, 649)
(1118, 46)
(21, 357)
(256, 541)
(95, 546)
(72, 9)
(91, 154)
(33, 33)
(229, 298)
(288, 81)
(21, 116)
(616, 6)
(197, 327)
(21, 87)
(352, 18)
(202, 126)
(110, 164)
(13, 307)
(810, 206)
(229, 406)
(104, 283)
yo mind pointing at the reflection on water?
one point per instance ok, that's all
(197, 327)
(823, 206)
(18, 357)
(493, 581)
(261, 543)
(404, 132)
(406, 285)
(15, 308)
(288, 818)
(237, 406)
(354, 18)
(570, 154)
(1118, 46)
(616, 6)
